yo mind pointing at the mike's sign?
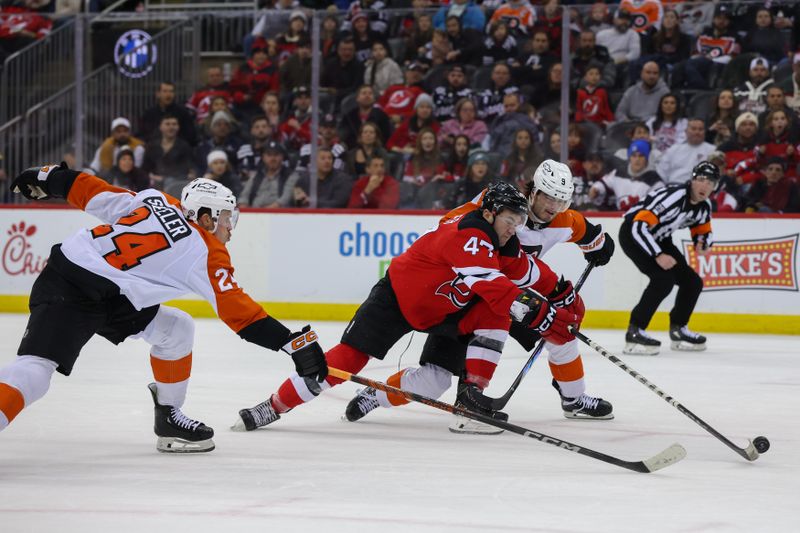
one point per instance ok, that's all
(747, 264)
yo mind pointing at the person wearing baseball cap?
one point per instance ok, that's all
(752, 94)
(270, 186)
(106, 155)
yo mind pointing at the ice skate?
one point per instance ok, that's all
(177, 433)
(365, 401)
(637, 342)
(685, 340)
(259, 416)
(466, 398)
(585, 406)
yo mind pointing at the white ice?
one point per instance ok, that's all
(84, 459)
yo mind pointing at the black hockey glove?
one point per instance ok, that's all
(603, 254)
(309, 359)
(41, 183)
(532, 310)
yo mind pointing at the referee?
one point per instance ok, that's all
(646, 237)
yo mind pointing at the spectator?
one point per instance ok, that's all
(773, 192)
(366, 111)
(249, 154)
(537, 62)
(628, 187)
(490, 100)
(126, 174)
(382, 71)
(519, 15)
(219, 169)
(592, 103)
(254, 77)
(200, 101)
(598, 18)
(695, 16)
(438, 50)
(640, 132)
(523, 155)
(751, 95)
(499, 46)
(368, 144)
(548, 94)
(640, 101)
(446, 96)
(404, 138)
(645, 14)
(106, 154)
(218, 104)
(288, 42)
(333, 186)
(398, 101)
(168, 158)
(576, 151)
(478, 177)
(272, 22)
(295, 131)
(549, 19)
(467, 123)
(372, 11)
(150, 121)
(504, 128)
(328, 139)
(20, 27)
(725, 198)
(776, 140)
(623, 44)
(421, 34)
(594, 168)
(271, 108)
(468, 14)
(363, 36)
(764, 39)
(296, 70)
(776, 101)
(590, 54)
(344, 73)
(426, 183)
(721, 119)
(465, 43)
(329, 36)
(668, 127)
(221, 138)
(740, 149)
(677, 163)
(375, 189)
(667, 46)
(268, 187)
(456, 161)
(791, 85)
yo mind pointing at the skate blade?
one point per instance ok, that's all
(582, 416)
(683, 346)
(640, 349)
(467, 426)
(175, 445)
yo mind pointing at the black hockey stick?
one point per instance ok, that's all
(499, 403)
(750, 452)
(666, 458)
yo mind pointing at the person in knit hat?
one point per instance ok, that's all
(404, 137)
(478, 177)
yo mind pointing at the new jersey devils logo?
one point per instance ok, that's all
(456, 291)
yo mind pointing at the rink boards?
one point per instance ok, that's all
(321, 265)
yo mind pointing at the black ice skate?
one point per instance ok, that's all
(637, 342)
(177, 433)
(685, 340)
(472, 399)
(256, 417)
(585, 406)
(365, 401)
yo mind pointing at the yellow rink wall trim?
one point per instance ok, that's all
(702, 322)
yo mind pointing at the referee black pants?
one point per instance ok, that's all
(690, 285)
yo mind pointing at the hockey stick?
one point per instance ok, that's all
(666, 458)
(750, 452)
(499, 403)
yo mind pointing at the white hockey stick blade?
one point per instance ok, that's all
(668, 457)
(750, 451)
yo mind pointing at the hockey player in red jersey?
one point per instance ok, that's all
(550, 221)
(111, 280)
(465, 282)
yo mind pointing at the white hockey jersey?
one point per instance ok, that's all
(152, 253)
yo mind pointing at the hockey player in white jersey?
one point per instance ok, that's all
(112, 279)
(550, 221)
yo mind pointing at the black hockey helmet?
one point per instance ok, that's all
(501, 195)
(707, 170)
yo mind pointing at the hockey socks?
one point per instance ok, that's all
(23, 382)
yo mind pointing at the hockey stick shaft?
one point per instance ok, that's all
(749, 452)
(499, 403)
(671, 455)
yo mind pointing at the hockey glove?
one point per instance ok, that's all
(49, 181)
(564, 296)
(534, 311)
(309, 359)
(602, 255)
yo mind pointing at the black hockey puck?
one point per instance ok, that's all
(761, 444)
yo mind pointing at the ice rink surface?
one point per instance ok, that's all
(84, 459)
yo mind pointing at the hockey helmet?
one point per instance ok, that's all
(501, 195)
(553, 179)
(203, 192)
(706, 170)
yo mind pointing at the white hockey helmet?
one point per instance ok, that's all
(203, 192)
(555, 180)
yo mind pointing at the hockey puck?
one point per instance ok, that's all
(761, 444)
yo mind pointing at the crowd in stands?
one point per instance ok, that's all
(421, 109)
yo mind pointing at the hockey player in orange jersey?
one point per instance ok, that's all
(550, 221)
(112, 279)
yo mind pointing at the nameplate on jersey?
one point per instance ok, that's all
(169, 217)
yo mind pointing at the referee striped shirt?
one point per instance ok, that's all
(665, 210)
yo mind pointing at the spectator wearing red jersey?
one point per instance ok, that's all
(773, 192)
(776, 140)
(295, 131)
(398, 101)
(404, 138)
(19, 27)
(740, 152)
(200, 101)
(288, 42)
(426, 183)
(254, 78)
(549, 19)
(592, 102)
(376, 189)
